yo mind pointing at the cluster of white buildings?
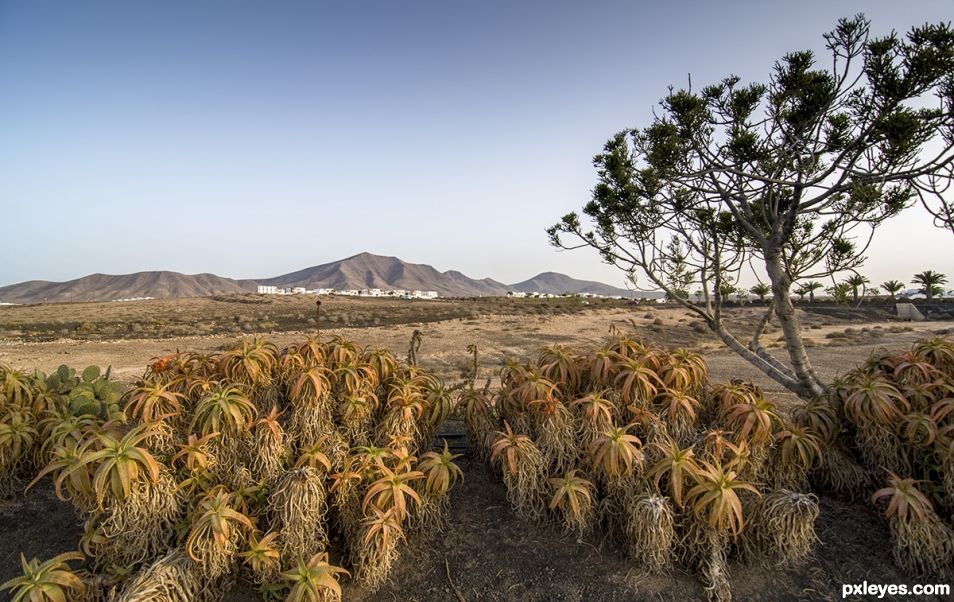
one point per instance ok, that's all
(364, 292)
(519, 295)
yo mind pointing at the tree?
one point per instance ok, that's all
(840, 292)
(810, 287)
(893, 287)
(801, 290)
(930, 283)
(761, 290)
(727, 289)
(793, 176)
(856, 282)
(940, 209)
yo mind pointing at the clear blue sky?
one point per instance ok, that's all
(251, 139)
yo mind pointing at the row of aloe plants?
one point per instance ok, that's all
(888, 431)
(627, 437)
(253, 463)
(634, 440)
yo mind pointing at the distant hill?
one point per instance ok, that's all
(364, 270)
(552, 282)
(106, 287)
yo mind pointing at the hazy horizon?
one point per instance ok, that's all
(250, 140)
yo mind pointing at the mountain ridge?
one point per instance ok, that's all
(106, 287)
(559, 283)
(364, 270)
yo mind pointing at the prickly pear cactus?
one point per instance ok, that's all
(63, 380)
(90, 374)
(94, 394)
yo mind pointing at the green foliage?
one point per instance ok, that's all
(92, 394)
(760, 290)
(222, 445)
(90, 374)
(808, 288)
(841, 292)
(892, 287)
(930, 282)
(60, 381)
(857, 283)
(793, 173)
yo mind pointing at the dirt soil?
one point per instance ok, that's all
(486, 553)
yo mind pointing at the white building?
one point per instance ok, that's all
(299, 290)
(516, 294)
(267, 290)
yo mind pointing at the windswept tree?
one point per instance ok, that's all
(893, 287)
(793, 176)
(930, 282)
(761, 290)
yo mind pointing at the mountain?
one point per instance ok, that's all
(364, 270)
(552, 282)
(106, 287)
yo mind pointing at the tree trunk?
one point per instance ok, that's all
(772, 370)
(809, 383)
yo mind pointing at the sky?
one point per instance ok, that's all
(251, 139)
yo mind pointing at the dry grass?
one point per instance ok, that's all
(255, 314)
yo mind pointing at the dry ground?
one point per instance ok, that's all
(502, 330)
(238, 314)
(486, 553)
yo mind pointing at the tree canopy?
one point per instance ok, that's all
(789, 178)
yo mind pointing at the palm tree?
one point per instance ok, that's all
(893, 287)
(855, 282)
(727, 289)
(810, 287)
(930, 282)
(839, 292)
(801, 291)
(760, 290)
